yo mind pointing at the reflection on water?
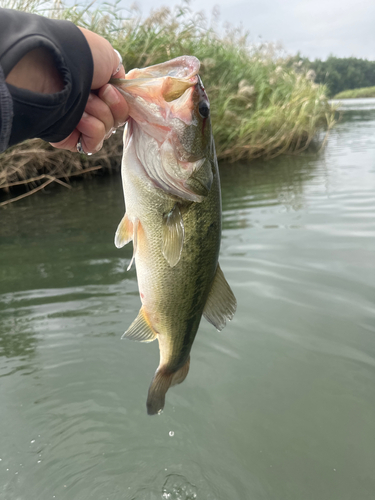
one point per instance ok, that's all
(279, 405)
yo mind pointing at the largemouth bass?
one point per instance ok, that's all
(173, 215)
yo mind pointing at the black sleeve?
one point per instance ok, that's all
(51, 117)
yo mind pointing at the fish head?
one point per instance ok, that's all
(171, 128)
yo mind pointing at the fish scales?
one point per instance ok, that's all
(173, 215)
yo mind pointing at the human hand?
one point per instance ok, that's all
(106, 109)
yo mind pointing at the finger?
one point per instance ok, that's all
(119, 64)
(116, 103)
(70, 143)
(99, 109)
(92, 133)
(120, 73)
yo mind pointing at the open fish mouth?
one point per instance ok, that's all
(181, 67)
(177, 76)
(169, 107)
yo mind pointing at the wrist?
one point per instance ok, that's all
(36, 72)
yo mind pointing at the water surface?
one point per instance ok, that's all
(280, 405)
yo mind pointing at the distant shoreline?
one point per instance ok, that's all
(365, 92)
(262, 105)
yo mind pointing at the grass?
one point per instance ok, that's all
(356, 93)
(260, 106)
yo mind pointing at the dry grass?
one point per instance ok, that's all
(260, 106)
(32, 161)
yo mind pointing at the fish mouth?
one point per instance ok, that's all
(175, 77)
(183, 67)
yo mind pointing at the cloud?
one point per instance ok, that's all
(314, 28)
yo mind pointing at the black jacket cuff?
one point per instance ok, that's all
(51, 117)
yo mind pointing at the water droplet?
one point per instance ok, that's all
(177, 487)
(171, 433)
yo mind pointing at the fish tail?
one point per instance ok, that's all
(161, 382)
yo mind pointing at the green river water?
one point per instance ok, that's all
(278, 406)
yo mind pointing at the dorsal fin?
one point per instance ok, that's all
(140, 329)
(221, 303)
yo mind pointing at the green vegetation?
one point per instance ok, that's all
(261, 106)
(340, 74)
(356, 93)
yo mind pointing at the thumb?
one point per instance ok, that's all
(106, 60)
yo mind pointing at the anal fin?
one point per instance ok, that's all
(221, 303)
(140, 329)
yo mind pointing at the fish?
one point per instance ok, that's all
(172, 197)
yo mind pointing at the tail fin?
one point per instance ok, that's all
(161, 382)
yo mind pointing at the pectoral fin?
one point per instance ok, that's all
(173, 236)
(124, 232)
(221, 303)
(140, 329)
(135, 241)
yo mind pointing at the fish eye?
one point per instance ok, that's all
(204, 109)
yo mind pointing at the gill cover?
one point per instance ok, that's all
(167, 127)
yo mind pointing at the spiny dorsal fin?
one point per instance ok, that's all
(140, 329)
(221, 303)
(124, 232)
(173, 236)
(135, 241)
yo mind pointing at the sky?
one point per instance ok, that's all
(315, 28)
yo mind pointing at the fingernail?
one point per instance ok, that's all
(99, 147)
(108, 134)
(111, 96)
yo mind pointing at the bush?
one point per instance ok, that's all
(260, 106)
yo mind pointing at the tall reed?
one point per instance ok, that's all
(260, 106)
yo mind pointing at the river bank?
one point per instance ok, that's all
(366, 92)
(260, 105)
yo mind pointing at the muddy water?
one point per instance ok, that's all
(280, 405)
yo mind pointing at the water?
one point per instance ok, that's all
(280, 405)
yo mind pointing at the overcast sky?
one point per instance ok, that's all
(316, 28)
